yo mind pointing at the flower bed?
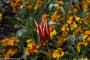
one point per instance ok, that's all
(45, 29)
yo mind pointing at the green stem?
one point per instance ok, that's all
(67, 9)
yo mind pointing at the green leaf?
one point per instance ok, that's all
(71, 40)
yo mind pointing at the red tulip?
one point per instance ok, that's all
(43, 31)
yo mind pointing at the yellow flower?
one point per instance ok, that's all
(52, 27)
(10, 53)
(59, 4)
(61, 40)
(78, 47)
(56, 12)
(88, 1)
(58, 53)
(10, 41)
(84, 58)
(28, 5)
(73, 26)
(86, 36)
(77, 31)
(4, 42)
(72, 18)
(65, 34)
(75, 58)
(88, 39)
(53, 33)
(69, 21)
(31, 47)
(30, 43)
(81, 58)
(55, 17)
(87, 32)
(84, 43)
(65, 27)
(77, 18)
(38, 5)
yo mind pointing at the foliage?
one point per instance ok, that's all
(45, 29)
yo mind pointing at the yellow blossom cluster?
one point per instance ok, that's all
(10, 41)
(10, 52)
(31, 48)
(58, 53)
(86, 40)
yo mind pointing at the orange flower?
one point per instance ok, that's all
(70, 20)
(10, 53)
(59, 4)
(10, 41)
(28, 5)
(55, 18)
(15, 4)
(87, 32)
(52, 27)
(44, 17)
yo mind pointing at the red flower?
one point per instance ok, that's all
(43, 31)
